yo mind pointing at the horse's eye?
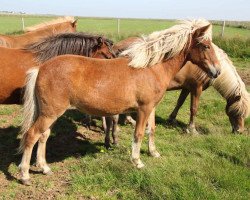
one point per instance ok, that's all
(206, 47)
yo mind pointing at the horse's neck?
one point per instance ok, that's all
(229, 83)
(171, 67)
(34, 36)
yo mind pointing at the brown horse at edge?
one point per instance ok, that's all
(107, 87)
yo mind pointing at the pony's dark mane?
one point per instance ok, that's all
(67, 43)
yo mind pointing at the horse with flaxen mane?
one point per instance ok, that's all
(229, 84)
(191, 79)
(136, 82)
(16, 62)
(37, 32)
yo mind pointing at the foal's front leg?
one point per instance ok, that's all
(150, 130)
(142, 117)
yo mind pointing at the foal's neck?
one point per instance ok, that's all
(172, 67)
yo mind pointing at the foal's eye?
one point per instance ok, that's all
(206, 47)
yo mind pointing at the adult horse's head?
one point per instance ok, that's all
(63, 24)
(103, 49)
(201, 51)
(238, 110)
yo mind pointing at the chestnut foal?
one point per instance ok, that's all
(108, 87)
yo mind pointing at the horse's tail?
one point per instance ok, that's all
(30, 106)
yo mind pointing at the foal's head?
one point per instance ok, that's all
(103, 49)
(201, 52)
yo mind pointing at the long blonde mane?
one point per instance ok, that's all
(229, 84)
(150, 50)
(52, 22)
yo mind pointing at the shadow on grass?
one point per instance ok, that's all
(179, 125)
(64, 142)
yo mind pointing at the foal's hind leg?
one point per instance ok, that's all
(172, 117)
(108, 121)
(150, 130)
(195, 96)
(41, 125)
(115, 119)
(41, 153)
(142, 117)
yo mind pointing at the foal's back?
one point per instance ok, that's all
(90, 84)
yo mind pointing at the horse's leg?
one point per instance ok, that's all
(150, 130)
(41, 153)
(115, 120)
(40, 127)
(104, 124)
(107, 136)
(195, 97)
(142, 117)
(130, 120)
(172, 117)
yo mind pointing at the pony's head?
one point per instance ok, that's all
(237, 120)
(202, 53)
(62, 24)
(103, 49)
(236, 115)
(191, 37)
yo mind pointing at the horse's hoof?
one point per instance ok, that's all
(138, 163)
(26, 182)
(192, 131)
(171, 122)
(155, 154)
(48, 173)
(107, 146)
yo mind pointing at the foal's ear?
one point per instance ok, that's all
(74, 23)
(201, 31)
(100, 41)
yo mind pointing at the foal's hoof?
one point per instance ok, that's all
(192, 130)
(49, 172)
(26, 182)
(155, 154)
(138, 163)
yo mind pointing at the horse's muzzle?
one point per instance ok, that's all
(213, 72)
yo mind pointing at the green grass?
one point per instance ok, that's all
(213, 165)
(108, 26)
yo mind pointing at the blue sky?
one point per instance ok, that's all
(163, 9)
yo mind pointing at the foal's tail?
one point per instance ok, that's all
(30, 106)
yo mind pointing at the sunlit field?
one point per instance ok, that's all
(213, 165)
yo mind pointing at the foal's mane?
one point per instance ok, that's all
(52, 22)
(150, 50)
(66, 43)
(230, 85)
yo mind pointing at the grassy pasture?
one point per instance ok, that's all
(108, 26)
(214, 165)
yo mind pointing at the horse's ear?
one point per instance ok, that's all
(100, 41)
(74, 23)
(201, 31)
